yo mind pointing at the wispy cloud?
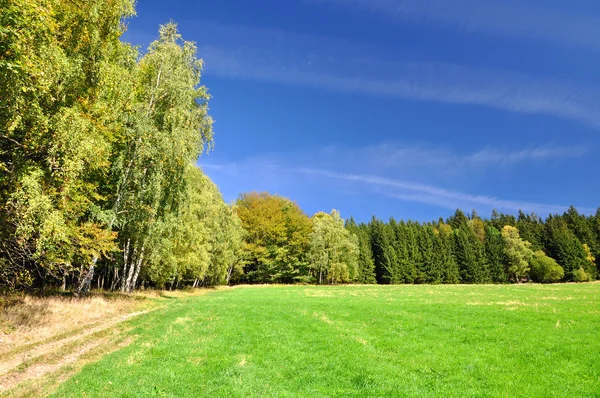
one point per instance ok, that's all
(423, 193)
(293, 63)
(494, 17)
(368, 171)
(495, 156)
(433, 161)
(399, 156)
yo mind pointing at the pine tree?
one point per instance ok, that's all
(496, 258)
(458, 219)
(531, 229)
(562, 245)
(430, 268)
(366, 264)
(445, 244)
(381, 248)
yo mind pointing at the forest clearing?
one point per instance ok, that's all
(484, 340)
(388, 211)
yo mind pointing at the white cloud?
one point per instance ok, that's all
(366, 171)
(396, 156)
(495, 156)
(429, 194)
(437, 82)
(508, 18)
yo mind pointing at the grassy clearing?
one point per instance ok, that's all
(528, 340)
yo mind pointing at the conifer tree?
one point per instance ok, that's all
(444, 244)
(562, 245)
(383, 252)
(496, 258)
(531, 229)
(366, 264)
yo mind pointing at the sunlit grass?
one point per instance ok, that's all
(529, 340)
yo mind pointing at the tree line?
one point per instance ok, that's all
(99, 188)
(468, 249)
(283, 245)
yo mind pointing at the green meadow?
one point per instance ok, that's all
(359, 341)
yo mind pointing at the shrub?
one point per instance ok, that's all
(545, 269)
(581, 276)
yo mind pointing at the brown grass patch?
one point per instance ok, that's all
(43, 379)
(26, 320)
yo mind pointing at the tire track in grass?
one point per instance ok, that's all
(33, 364)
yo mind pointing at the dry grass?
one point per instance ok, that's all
(27, 320)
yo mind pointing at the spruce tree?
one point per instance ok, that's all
(445, 242)
(494, 252)
(562, 245)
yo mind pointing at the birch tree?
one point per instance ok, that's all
(169, 129)
(334, 251)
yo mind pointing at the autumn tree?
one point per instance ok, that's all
(277, 238)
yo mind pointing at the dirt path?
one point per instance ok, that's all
(11, 369)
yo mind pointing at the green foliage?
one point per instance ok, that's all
(496, 257)
(366, 265)
(545, 269)
(579, 275)
(444, 253)
(470, 256)
(198, 243)
(333, 250)
(518, 253)
(384, 254)
(277, 238)
(97, 147)
(566, 249)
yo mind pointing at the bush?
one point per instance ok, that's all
(581, 276)
(545, 269)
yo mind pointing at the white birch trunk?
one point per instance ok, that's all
(138, 266)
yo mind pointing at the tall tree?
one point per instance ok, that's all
(169, 129)
(384, 254)
(334, 250)
(562, 245)
(366, 264)
(495, 255)
(444, 250)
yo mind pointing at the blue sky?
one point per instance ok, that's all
(404, 108)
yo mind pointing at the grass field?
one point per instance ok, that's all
(298, 341)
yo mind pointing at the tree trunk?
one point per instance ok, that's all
(138, 266)
(84, 286)
(127, 267)
(115, 279)
(127, 281)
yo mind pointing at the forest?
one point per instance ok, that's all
(99, 186)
